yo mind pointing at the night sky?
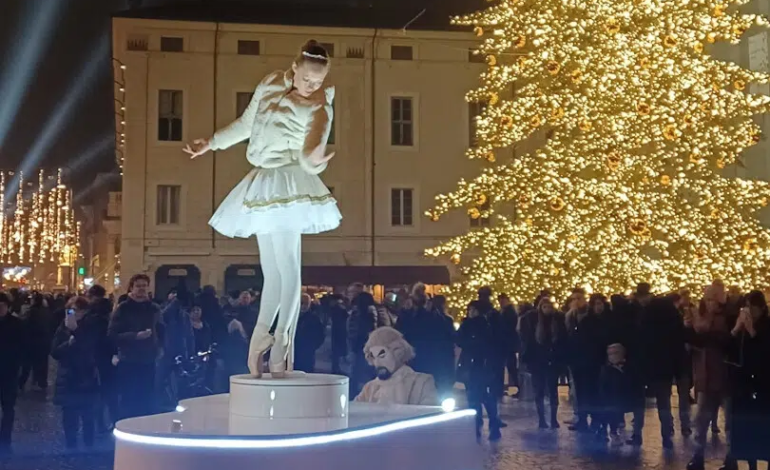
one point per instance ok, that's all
(62, 117)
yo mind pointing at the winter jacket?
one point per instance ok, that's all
(711, 344)
(478, 357)
(130, 318)
(282, 129)
(431, 334)
(99, 316)
(510, 322)
(587, 341)
(552, 354)
(616, 389)
(179, 339)
(11, 347)
(749, 376)
(77, 379)
(309, 337)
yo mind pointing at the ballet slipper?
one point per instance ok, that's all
(261, 342)
(278, 356)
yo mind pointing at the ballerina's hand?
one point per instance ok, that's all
(197, 148)
(317, 156)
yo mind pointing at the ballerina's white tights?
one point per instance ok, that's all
(281, 259)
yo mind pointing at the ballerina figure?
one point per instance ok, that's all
(287, 122)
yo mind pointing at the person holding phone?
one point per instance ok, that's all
(137, 330)
(77, 385)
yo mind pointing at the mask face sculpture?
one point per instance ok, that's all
(396, 383)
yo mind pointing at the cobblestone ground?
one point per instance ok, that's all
(39, 444)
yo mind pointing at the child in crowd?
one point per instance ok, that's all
(615, 389)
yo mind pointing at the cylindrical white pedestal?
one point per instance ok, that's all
(299, 395)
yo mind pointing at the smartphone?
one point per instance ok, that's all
(70, 311)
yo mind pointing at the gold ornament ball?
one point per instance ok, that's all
(481, 199)
(520, 41)
(669, 132)
(613, 161)
(739, 85)
(698, 47)
(455, 258)
(643, 109)
(637, 226)
(491, 60)
(553, 67)
(585, 125)
(557, 204)
(557, 113)
(711, 38)
(493, 99)
(576, 76)
(670, 41)
(506, 122)
(644, 63)
(687, 120)
(612, 26)
(721, 163)
(665, 180)
(490, 156)
(478, 31)
(719, 10)
(474, 213)
(536, 121)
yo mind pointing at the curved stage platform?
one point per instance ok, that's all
(303, 421)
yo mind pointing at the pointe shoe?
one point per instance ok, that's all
(261, 342)
(278, 356)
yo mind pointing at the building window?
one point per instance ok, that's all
(332, 133)
(355, 53)
(482, 221)
(475, 57)
(171, 44)
(401, 121)
(137, 42)
(170, 110)
(401, 53)
(169, 205)
(401, 207)
(474, 110)
(248, 48)
(329, 46)
(242, 100)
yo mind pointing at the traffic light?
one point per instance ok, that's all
(82, 271)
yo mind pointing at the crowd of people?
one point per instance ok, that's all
(120, 358)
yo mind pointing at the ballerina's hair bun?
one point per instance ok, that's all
(314, 53)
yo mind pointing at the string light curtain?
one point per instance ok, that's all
(637, 121)
(39, 226)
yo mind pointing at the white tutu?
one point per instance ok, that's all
(274, 200)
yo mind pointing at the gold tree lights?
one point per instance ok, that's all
(634, 121)
(38, 226)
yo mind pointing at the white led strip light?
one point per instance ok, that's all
(226, 443)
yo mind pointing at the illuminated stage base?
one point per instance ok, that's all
(300, 422)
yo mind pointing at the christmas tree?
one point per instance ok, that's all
(635, 122)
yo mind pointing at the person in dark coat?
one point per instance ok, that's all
(137, 330)
(309, 337)
(500, 340)
(201, 330)
(212, 313)
(477, 368)
(75, 347)
(361, 321)
(338, 314)
(543, 353)
(39, 332)
(242, 318)
(99, 312)
(750, 378)
(615, 388)
(655, 345)
(11, 347)
(587, 344)
(432, 338)
(709, 334)
(510, 322)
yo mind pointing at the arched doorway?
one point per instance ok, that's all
(176, 276)
(242, 277)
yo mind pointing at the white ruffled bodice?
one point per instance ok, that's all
(282, 128)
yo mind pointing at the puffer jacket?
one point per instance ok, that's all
(282, 129)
